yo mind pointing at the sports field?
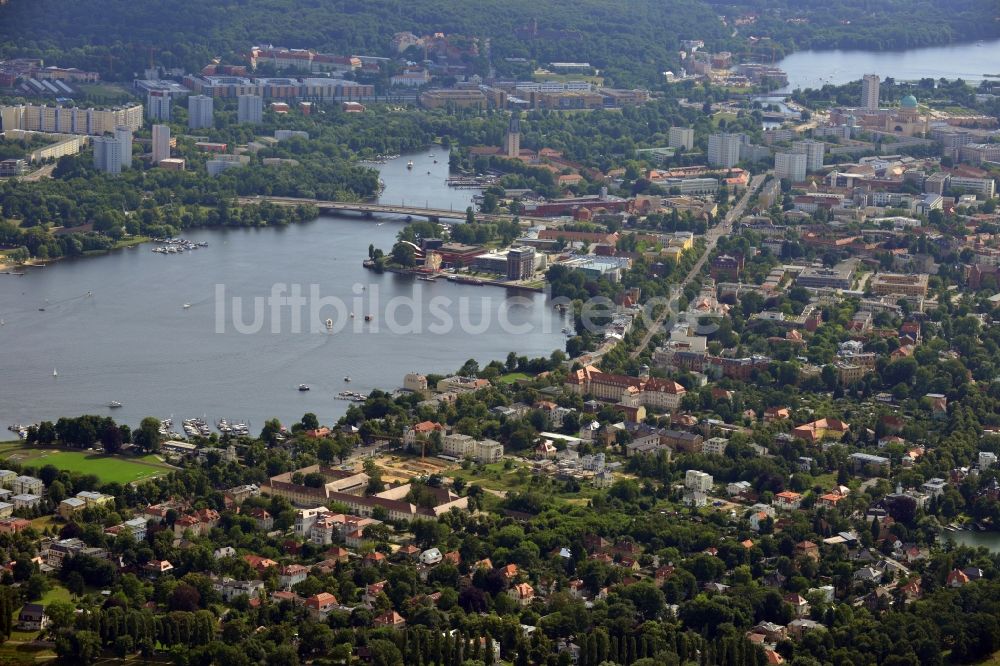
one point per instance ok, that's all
(108, 469)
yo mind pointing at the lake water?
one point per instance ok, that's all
(813, 69)
(133, 341)
(990, 540)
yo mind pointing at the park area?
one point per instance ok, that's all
(109, 469)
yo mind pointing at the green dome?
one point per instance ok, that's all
(909, 102)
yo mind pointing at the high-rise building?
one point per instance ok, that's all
(107, 154)
(791, 166)
(158, 104)
(123, 133)
(813, 150)
(250, 109)
(161, 143)
(681, 137)
(520, 263)
(869, 92)
(724, 150)
(200, 109)
(512, 146)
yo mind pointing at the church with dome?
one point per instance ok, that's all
(904, 120)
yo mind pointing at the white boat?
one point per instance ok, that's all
(54, 373)
(114, 404)
(303, 387)
(409, 165)
(329, 323)
(352, 315)
(186, 306)
(347, 378)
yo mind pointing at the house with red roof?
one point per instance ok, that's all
(389, 619)
(320, 605)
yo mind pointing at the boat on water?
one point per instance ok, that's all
(186, 306)
(427, 278)
(409, 165)
(303, 387)
(368, 317)
(329, 324)
(114, 404)
(54, 373)
(347, 378)
(352, 315)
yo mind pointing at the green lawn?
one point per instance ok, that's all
(512, 377)
(108, 469)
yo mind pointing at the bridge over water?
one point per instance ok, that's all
(371, 209)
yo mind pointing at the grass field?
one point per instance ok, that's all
(512, 377)
(108, 469)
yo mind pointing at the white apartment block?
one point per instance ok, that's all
(698, 481)
(681, 137)
(463, 446)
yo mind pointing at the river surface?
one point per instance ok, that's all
(132, 340)
(813, 69)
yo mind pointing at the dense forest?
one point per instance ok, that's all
(860, 24)
(630, 41)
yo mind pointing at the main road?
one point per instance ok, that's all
(712, 238)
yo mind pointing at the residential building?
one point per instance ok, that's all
(221, 163)
(108, 154)
(250, 109)
(824, 278)
(681, 137)
(790, 166)
(934, 487)
(662, 394)
(13, 525)
(321, 605)
(714, 446)
(69, 120)
(7, 478)
(292, 575)
(897, 283)
(463, 446)
(869, 92)
(161, 143)
(6, 509)
(230, 589)
(821, 429)
(520, 263)
(70, 506)
(983, 187)
(522, 593)
(987, 459)
(788, 500)
(32, 618)
(158, 103)
(27, 485)
(123, 135)
(813, 150)
(200, 110)
(12, 167)
(698, 481)
(724, 150)
(865, 462)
